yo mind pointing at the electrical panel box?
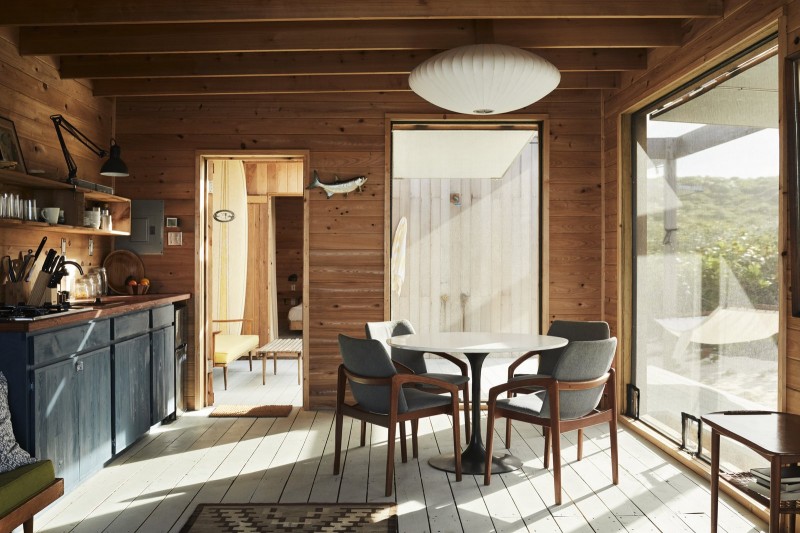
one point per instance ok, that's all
(147, 228)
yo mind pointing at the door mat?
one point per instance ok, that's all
(252, 411)
(254, 517)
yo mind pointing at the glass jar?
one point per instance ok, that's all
(100, 279)
(83, 288)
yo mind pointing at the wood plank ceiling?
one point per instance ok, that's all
(170, 47)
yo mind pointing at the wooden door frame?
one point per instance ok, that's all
(544, 249)
(201, 284)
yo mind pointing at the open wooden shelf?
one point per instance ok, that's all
(61, 228)
(72, 199)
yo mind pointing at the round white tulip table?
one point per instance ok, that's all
(476, 346)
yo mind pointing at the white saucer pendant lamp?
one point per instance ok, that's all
(484, 79)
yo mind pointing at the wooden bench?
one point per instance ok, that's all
(288, 348)
(25, 491)
(227, 348)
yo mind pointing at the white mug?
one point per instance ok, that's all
(50, 214)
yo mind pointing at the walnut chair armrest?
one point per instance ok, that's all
(399, 379)
(544, 382)
(583, 385)
(365, 380)
(401, 368)
(403, 379)
(462, 366)
(518, 361)
(242, 320)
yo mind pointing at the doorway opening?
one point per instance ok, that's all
(254, 273)
(466, 225)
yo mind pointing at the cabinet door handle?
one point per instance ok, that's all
(79, 366)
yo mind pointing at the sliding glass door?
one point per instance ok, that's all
(706, 245)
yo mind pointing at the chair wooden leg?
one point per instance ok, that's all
(264, 369)
(27, 526)
(508, 421)
(390, 458)
(546, 431)
(275, 363)
(414, 443)
(467, 418)
(556, 438)
(403, 452)
(580, 444)
(456, 437)
(250, 357)
(298, 369)
(612, 426)
(363, 433)
(225, 376)
(338, 444)
(487, 473)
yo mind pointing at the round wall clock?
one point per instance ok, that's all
(224, 215)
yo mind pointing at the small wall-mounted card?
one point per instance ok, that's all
(172, 222)
(175, 238)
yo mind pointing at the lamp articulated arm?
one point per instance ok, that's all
(62, 123)
(113, 167)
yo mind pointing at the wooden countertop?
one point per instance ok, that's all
(110, 306)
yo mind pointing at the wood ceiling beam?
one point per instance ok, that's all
(301, 84)
(370, 35)
(59, 12)
(311, 63)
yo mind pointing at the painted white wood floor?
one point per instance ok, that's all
(156, 484)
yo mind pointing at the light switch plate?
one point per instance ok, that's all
(175, 238)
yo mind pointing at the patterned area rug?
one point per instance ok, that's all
(253, 411)
(286, 517)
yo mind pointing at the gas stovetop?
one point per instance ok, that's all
(29, 313)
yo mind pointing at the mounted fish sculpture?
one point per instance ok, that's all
(339, 187)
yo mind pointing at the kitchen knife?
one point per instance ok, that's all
(16, 266)
(35, 257)
(48, 260)
(6, 260)
(25, 262)
(58, 264)
(55, 279)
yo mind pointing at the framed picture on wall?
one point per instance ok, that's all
(10, 151)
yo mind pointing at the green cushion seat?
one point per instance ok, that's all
(19, 485)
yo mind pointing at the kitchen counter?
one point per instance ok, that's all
(109, 306)
(84, 386)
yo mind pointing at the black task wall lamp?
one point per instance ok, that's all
(114, 167)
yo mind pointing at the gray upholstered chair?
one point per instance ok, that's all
(568, 400)
(570, 330)
(415, 361)
(382, 399)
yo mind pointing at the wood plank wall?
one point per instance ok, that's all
(706, 43)
(345, 135)
(30, 91)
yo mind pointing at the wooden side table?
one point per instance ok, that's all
(774, 436)
(290, 348)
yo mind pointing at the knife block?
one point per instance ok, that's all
(15, 293)
(39, 292)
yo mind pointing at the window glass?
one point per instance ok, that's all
(706, 244)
